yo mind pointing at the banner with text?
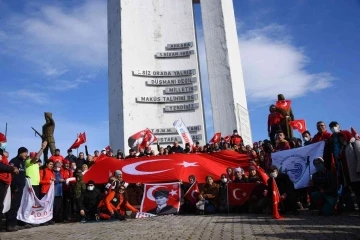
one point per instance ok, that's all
(183, 132)
(35, 211)
(294, 162)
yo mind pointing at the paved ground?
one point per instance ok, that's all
(214, 227)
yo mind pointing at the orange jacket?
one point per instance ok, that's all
(46, 175)
(121, 205)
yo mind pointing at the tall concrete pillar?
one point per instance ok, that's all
(227, 89)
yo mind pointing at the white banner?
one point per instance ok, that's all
(7, 201)
(183, 132)
(144, 215)
(294, 162)
(35, 211)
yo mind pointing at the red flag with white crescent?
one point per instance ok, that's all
(193, 193)
(263, 176)
(299, 125)
(283, 104)
(80, 140)
(275, 200)
(239, 193)
(227, 139)
(216, 138)
(148, 139)
(161, 198)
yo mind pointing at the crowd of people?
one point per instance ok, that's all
(330, 189)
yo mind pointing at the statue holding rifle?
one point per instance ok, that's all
(48, 134)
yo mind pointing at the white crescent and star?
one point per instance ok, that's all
(149, 192)
(234, 193)
(173, 192)
(188, 164)
(192, 193)
(131, 168)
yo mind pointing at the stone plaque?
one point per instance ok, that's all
(179, 45)
(174, 54)
(156, 73)
(171, 139)
(169, 82)
(168, 99)
(175, 90)
(182, 107)
(173, 130)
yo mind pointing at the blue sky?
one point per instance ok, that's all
(53, 57)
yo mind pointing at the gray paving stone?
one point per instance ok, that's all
(215, 227)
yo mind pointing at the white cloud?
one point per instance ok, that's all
(24, 95)
(273, 65)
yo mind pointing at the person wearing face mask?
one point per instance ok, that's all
(223, 192)
(334, 151)
(92, 197)
(286, 190)
(323, 188)
(58, 188)
(307, 138)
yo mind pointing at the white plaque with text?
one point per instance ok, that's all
(169, 82)
(182, 107)
(173, 130)
(174, 54)
(179, 45)
(175, 90)
(168, 99)
(171, 139)
(155, 73)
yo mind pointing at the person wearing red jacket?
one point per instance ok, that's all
(236, 139)
(47, 177)
(281, 143)
(5, 178)
(115, 204)
(273, 125)
(57, 157)
(322, 133)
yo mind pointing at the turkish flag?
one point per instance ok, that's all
(239, 193)
(275, 200)
(227, 139)
(355, 134)
(284, 104)
(193, 193)
(161, 198)
(149, 138)
(168, 168)
(299, 125)
(216, 138)
(141, 139)
(80, 140)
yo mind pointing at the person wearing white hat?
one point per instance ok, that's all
(239, 176)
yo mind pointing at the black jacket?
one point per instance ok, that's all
(91, 198)
(18, 180)
(284, 184)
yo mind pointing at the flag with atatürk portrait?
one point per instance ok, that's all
(161, 198)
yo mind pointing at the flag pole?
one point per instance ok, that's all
(77, 149)
(5, 129)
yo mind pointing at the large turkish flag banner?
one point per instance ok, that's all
(284, 104)
(239, 193)
(161, 198)
(167, 168)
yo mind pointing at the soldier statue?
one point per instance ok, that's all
(48, 135)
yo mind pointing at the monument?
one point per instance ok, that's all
(154, 74)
